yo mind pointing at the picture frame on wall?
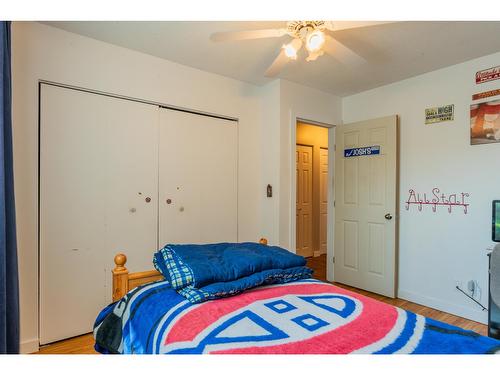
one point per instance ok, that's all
(485, 122)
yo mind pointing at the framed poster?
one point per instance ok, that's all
(485, 122)
(486, 94)
(439, 114)
(487, 75)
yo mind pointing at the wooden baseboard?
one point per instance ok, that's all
(470, 313)
(317, 253)
(29, 346)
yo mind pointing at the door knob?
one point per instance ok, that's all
(388, 216)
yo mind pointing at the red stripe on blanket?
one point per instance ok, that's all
(194, 321)
(367, 328)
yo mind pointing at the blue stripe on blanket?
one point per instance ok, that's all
(409, 328)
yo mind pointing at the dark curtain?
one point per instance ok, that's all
(9, 285)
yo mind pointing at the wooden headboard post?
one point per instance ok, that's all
(120, 277)
(124, 281)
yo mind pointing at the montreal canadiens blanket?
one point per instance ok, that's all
(306, 316)
(210, 271)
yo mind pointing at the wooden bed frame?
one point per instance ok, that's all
(124, 281)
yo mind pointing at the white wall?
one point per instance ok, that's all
(438, 249)
(435, 249)
(283, 103)
(43, 52)
(309, 104)
(270, 141)
(265, 126)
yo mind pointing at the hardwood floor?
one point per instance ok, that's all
(318, 264)
(85, 344)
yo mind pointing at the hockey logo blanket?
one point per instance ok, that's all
(306, 316)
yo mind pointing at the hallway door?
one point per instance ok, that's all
(304, 200)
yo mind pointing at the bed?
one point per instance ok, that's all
(300, 316)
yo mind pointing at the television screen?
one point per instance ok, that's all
(496, 221)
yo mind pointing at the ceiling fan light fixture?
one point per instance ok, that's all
(314, 55)
(315, 40)
(290, 51)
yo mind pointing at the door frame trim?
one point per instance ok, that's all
(312, 194)
(151, 102)
(294, 118)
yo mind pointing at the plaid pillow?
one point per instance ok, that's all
(173, 268)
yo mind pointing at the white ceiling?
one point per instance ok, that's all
(394, 51)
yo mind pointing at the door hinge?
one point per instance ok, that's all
(333, 259)
(333, 203)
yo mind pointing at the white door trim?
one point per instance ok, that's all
(294, 117)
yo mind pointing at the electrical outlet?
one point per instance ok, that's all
(478, 292)
(477, 289)
(471, 287)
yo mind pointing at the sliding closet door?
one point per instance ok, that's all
(98, 196)
(198, 178)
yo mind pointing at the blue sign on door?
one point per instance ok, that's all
(361, 151)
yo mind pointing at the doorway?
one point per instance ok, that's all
(311, 215)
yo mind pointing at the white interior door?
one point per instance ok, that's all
(365, 209)
(98, 164)
(323, 199)
(304, 201)
(198, 178)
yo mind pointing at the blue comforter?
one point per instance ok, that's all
(210, 271)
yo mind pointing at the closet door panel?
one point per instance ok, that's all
(72, 278)
(132, 185)
(198, 178)
(96, 154)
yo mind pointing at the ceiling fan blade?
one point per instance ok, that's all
(278, 64)
(282, 58)
(344, 25)
(245, 35)
(340, 52)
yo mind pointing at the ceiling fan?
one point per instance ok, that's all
(317, 36)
